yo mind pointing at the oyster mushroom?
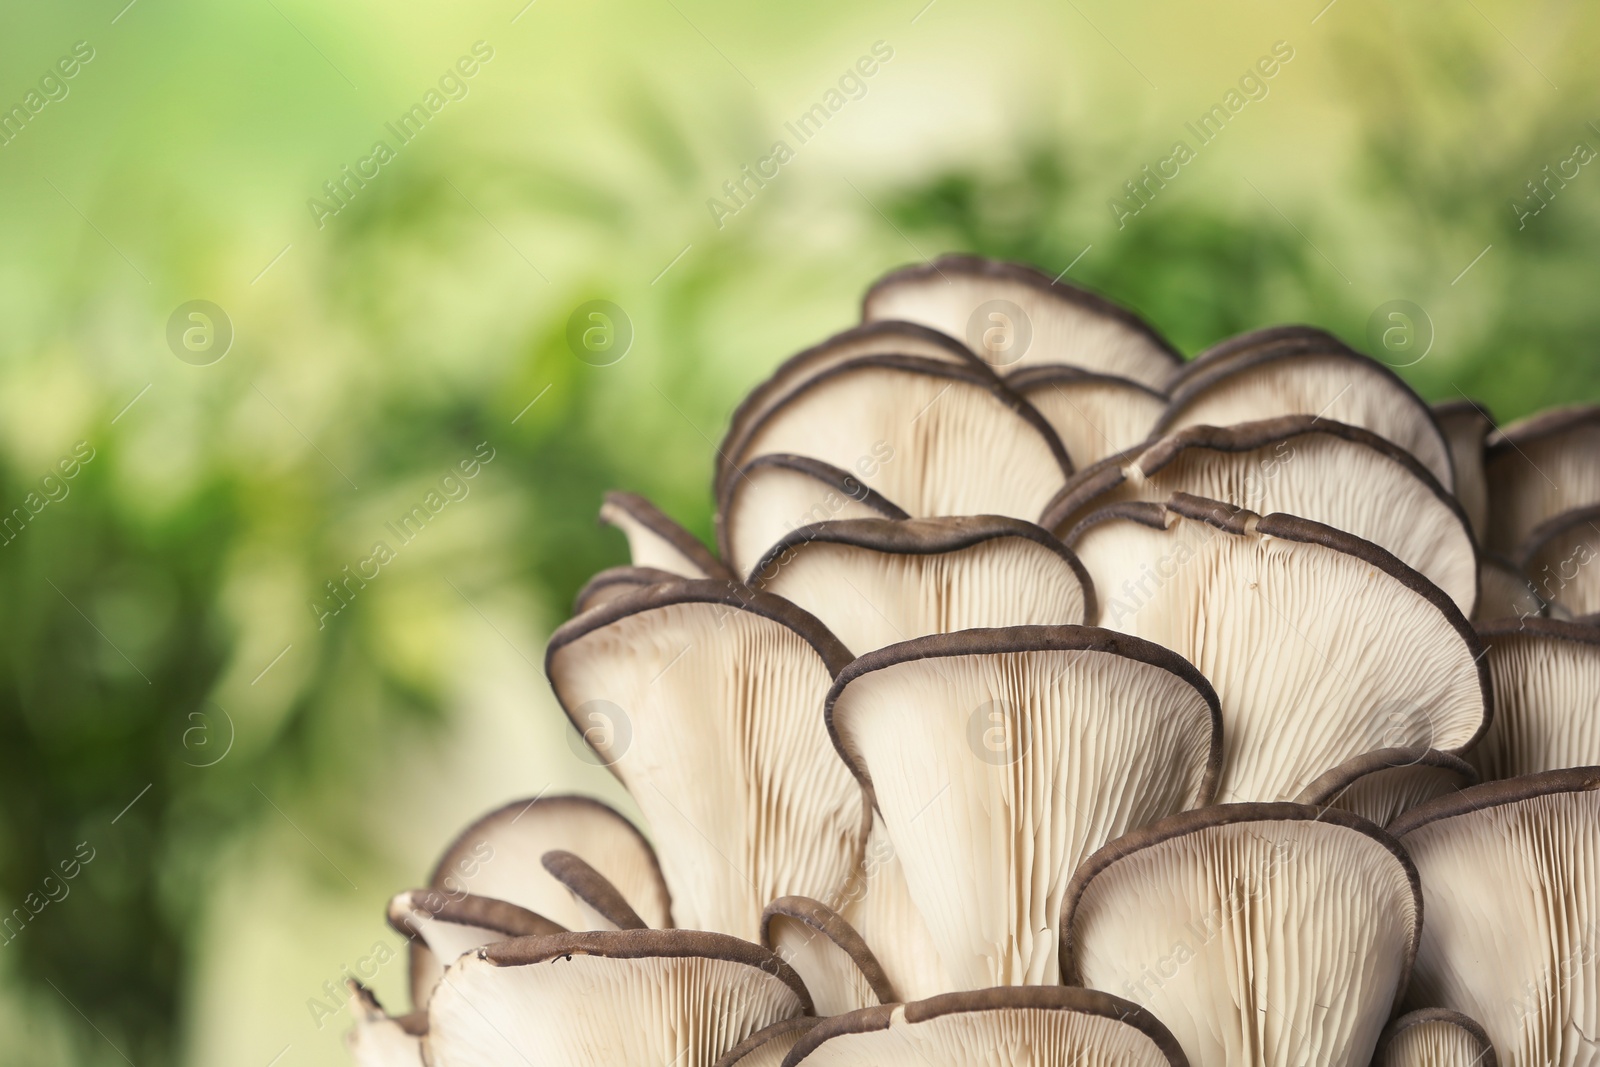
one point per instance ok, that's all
(1095, 415)
(1321, 646)
(1539, 467)
(1546, 688)
(1434, 1037)
(607, 585)
(1015, 317)
(776, 494)
(1000, 758)
(1338, 475)
(1319, 378)
(869, 339)
(836, 965)
(1016, 1026)
(379, 1039)
(1379, 786)
(496, 859)
(930, 436)
(1507, 870)
(874, 582)
(714, 691)
(655, 541)
(1258, 933)
(598, 999)
(768, 1046)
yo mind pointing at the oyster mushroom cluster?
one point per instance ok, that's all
(1049, 699)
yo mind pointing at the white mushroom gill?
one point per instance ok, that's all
(1049, 701)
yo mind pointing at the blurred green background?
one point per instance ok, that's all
(252, 787)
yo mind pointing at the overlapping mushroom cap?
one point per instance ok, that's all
(1048, 700)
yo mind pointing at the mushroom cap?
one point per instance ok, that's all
(1504, 591)
(1321, 646)
(836, 965)
(1251, 342)
(1434, 1037)
(379, 1039)
(778, 493)
(1008, 1026)
(1338, 475)
(598, 999)
(498, 856)
(656, 541)
(1040, 320)
(712, 693)
(451, 924)
(1466, 425)
(1508, 874)
(1316, 378)
(998, 759)
(1258, 933)
(605, 586)
(1557, 558)
(1380, 785)
(1539, 467)
(934, 437)
(878, 905)
(603, 904)
(1546, 694)
(768, 1046)
(1095, 415)
(888, 338)
(874, 582)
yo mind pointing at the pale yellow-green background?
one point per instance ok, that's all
(379, 350)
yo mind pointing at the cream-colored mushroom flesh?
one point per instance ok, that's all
(827, 953)
(601, 999)
(1538, 468)
(656, 541)
(874, 582)
(1546, 698)
(878, 905)
(935, 438)
(1561, 558)
(712, 694)
(1016, 317)
(1434, 1037)
(778, 494)
(1329, 383)
(1095, 415)
(1380, 786)
(768, 1046)
(1466, 427)
(1504, 591)
(498, 857)
(1012, 1026)
(379, 1039)
(1000, 758)
(869, 339)
(1508, 873)
(1322, 646)
(1271, 934)
(1341, 476)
